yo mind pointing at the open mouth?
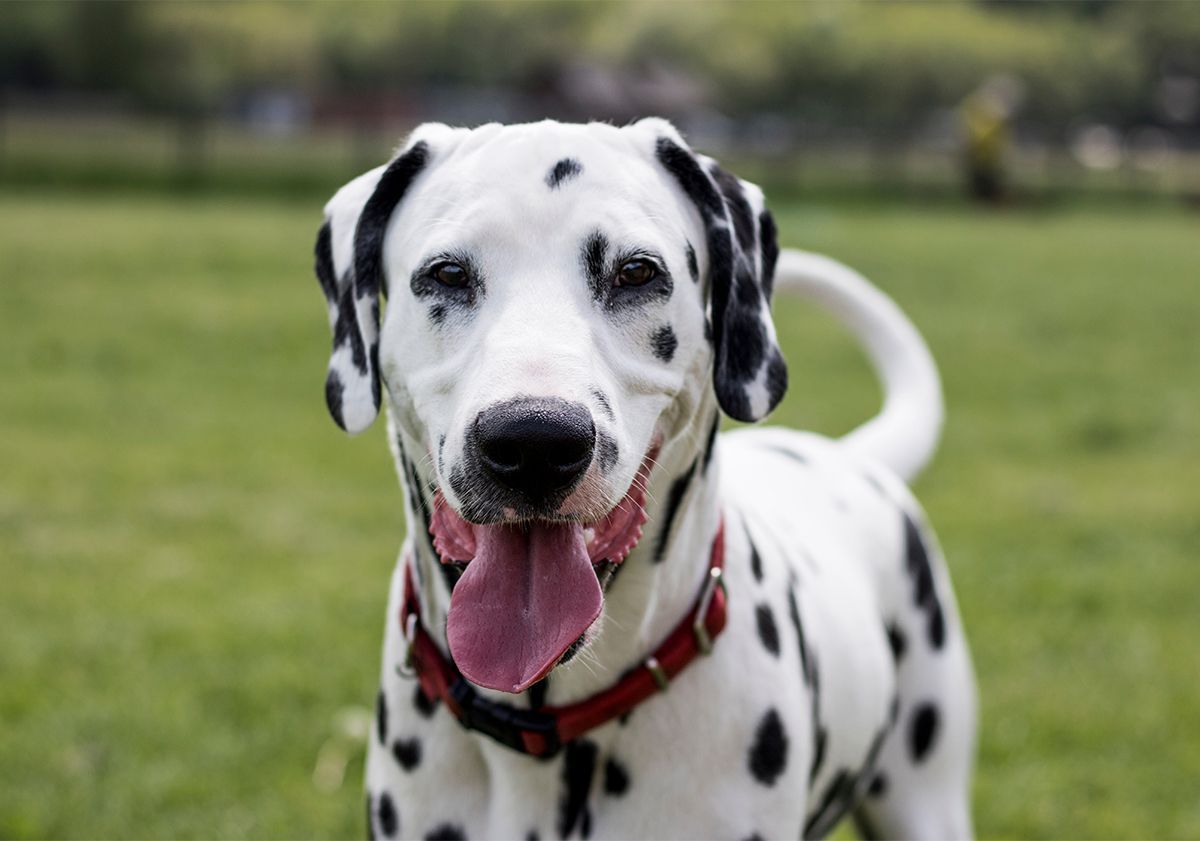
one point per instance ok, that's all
(530, 590)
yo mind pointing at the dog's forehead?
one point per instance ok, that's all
(561, 171)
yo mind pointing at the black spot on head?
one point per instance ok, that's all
(388, 820)
(754, 836)
(768, 753)
(437, 313)
(675, 497)
(594, 255)
(923, 730)
(607, 451)
(578, 768)
(564, 170)
(381, 717)
(664, 343)
(422, 702)
(446, 832)
(767, 631)
(878, 786)
(693, 266)
(407, 752)
(896, 641)
(616, 778)
(532, 835)
(370, 819)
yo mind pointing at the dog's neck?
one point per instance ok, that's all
(655, 586)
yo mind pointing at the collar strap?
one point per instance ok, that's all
(543, 731)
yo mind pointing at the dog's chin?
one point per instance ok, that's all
(529, 590)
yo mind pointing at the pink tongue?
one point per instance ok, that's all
(524, 598)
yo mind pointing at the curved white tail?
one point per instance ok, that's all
(905, 433)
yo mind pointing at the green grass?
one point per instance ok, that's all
(193, 559)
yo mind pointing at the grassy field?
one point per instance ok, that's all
(193, 558)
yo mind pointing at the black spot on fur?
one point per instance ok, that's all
(422, 702)
(739, 208)
(594, 255)
(372, 223)
(616, 778)
(446, 832)
(607, 451)
(777, 377)
(323, 254)
(755, 560)
(564, 170)
(693, 266)
(767, 632)
(664, 343)
(743, 354)
(921, 573)
(768, 753)
(388, 820)
(381, 717)
(896, 641)
(602, 401)
(768, 238)
(878, 785)
(370, 819)
(407, 752)
(711, 443)
(532, 835)
(578, 770)
(437, 313)
(754, 836)
(675, 497)
(333, 397)
(923, 731)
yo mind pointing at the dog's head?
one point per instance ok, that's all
(559, 298)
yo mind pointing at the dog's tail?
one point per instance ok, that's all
(905, 433)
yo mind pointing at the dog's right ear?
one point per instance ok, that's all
(349, 266)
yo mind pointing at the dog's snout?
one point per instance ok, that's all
(536, 446)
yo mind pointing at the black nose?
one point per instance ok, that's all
(539, 447)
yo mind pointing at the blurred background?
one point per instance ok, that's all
(193, 559)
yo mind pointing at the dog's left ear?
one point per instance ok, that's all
(349, 266)
(749, 373)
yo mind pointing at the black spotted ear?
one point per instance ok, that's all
(749, 373)
(349, 266)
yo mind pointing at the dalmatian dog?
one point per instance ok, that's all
(607, 619)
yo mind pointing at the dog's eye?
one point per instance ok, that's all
(450, 274)
(635, 273)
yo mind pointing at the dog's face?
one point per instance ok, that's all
(555, 297)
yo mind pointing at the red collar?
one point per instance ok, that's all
(543, 731)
